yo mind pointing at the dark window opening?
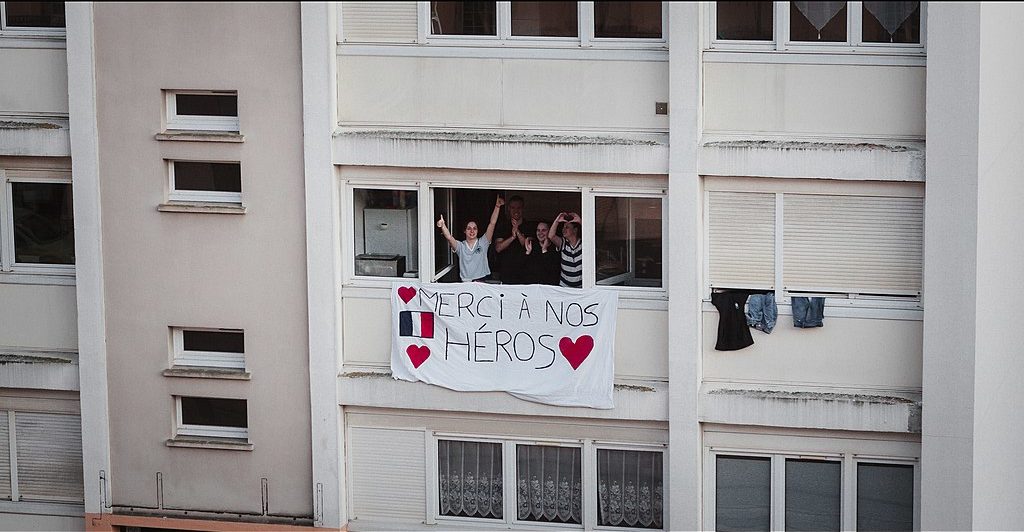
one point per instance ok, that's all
(44, 227)
(214, 412)
(35, 14)
(206, 104)
(211, 177)
(745, 21)
(545, 19)
(628, 20)
(463, 18)
(215, 341)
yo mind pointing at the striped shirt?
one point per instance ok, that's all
(572, 265)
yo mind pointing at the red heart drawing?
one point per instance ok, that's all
(578, 351)
(418, 354)
(406, 293)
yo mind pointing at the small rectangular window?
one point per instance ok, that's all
(210, 417)
(33, 15)
(745, 21)
(385, 232)
(548, 484)
(206, 181)
(627, 20)
(628, 241)
(817, 21)
(43, 221)
(891, 22)
(469, 477)
(463, 18)
(215, 348)
(545, 19)
(630, 488)
(813, 494)
(202, 111)
(743, 493)
(885, 496)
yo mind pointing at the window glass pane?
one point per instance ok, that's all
(463, 18)
(892, 22)
(469, 479)
(44, 227)
(743, 493)
(817, 21)
(545, 19)
(213, 177)
(628, 239)
(443, 255)
(35, 14)
(385, 232)
(214, 412)
(206, 104)
(885, 497)
(744, 21)
(637, 20)
(549, 484)
(813, 495)
(218, 341)
(629, 488)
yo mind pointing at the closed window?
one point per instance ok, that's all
(745, 21)
(545, 19)
(201, 181)
(627, 20)
(742, 493)
(885, 496)
(213, 111)
(549, 484)
(628, 241)
(470, 479)
(213, 418)
(630, 488)
(463, 18)
(32, 15)
(37, 228)
(44, 463)
(213, 348)
(385, 232)
(813, 494)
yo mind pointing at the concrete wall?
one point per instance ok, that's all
(815, 100)
(34, 81)
(15, 521)
(38, 316)
(511, 93)
(240, 271)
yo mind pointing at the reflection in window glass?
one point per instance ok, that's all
(214, 412)
(892, 22)
(385, 232)
(549, 484)
(817, 21)
(629, 488)
(469, 479)
(210, 177)
(545, 19)
(813, 498)
(628, 241)
(744, 21)
(885, 497)
(629, 20)
(743, 493)
(34, 14)
(463, 18)
(44, 227)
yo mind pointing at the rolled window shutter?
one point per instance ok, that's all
(5, 458)
(742, 239)
(388, 473)
(49, 456)
(853, 244)
(379, 22)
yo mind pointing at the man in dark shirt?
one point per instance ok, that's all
(510, 245)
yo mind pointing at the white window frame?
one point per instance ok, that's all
(503, 29)
(201, 196)
(58, 273)
(176, 122)
(632, 291)
(185, 430)
(588, 489)
(26, 31)
(348, 237)
(848, 481)
(781, 42)
(206, 359)
(54, 506)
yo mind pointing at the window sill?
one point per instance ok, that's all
(207, 373)
(201, 207)
(54, 508)
(52, 279)
(27, 39)
(201, 136)
(225, 444)
(815, 57)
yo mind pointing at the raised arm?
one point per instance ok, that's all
(553, 231)
(454, 244)
(494, 217)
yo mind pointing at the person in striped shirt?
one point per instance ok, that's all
(570, 246)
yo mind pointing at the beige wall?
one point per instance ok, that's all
(34, 81)
(816, 100)
(239, 271)
(38, 316)
(512, 93)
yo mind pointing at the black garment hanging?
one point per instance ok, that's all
(733, 332)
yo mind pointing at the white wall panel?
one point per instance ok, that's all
(38, 316)
(34, 81)
(388, 473)
(378, 22)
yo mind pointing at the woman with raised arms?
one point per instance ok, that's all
(472, 251)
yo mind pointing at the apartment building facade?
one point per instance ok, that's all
(246, 198)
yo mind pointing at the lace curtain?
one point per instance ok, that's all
(469, 477)
(549, 483)
(891, 15)
(629, 488)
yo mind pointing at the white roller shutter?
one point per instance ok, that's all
(853, 244)
(49, 456)
(388, 471)
(379, 22)
(5, 458)
(741, 236)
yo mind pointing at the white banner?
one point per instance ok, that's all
(541, 343)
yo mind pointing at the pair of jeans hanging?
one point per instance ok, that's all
(808, 312)
(762, 313)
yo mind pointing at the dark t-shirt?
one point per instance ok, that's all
(543, 268)
(512, 261)
(733, 331)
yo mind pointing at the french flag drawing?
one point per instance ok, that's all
(416, 324)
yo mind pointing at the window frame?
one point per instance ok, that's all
(28, 31)
(781, 42)
(503, 32)
(58, 506)
(348, 238)
(188, 431)
(633, 291)
(173, 122)
(180, 358)
(57, 273)
(201, 196)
